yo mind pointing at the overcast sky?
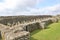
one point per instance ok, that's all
(29, 7)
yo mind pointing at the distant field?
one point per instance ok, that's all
(52, 33)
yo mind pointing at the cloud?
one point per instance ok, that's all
(26, 7)
(12, 6)
(51, 10)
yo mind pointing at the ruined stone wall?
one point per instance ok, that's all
(45, 23)
(31, 27)
(23, 36)
(16, 33)
(12, 20)
(39, 25)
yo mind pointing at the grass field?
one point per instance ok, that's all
(51, 33)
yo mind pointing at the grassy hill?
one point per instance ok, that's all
(51, 33)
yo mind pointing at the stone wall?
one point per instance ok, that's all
(45, 23)
(15, 33)
(22, 32)
(39, 25)
(12, 20)
(23, 35)
(31, 27)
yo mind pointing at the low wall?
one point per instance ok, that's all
(39, 25)
(23, 34)
(16, 33)
(31, 27)
(12, 20)
(19, 36)
(45, 23)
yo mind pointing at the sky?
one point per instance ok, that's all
(29, 7)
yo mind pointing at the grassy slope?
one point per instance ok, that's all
(52, 33)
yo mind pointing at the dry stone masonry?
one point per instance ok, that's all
(19, 27)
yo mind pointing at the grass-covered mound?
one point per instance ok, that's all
(51, 33)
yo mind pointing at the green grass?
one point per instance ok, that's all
(51, 33)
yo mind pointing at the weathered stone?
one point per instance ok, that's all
(45, 23)
(54, 20)
(18, 28)
(19, 36)
(32, 27)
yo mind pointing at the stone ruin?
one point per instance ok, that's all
(21, 31)
(14, 33)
